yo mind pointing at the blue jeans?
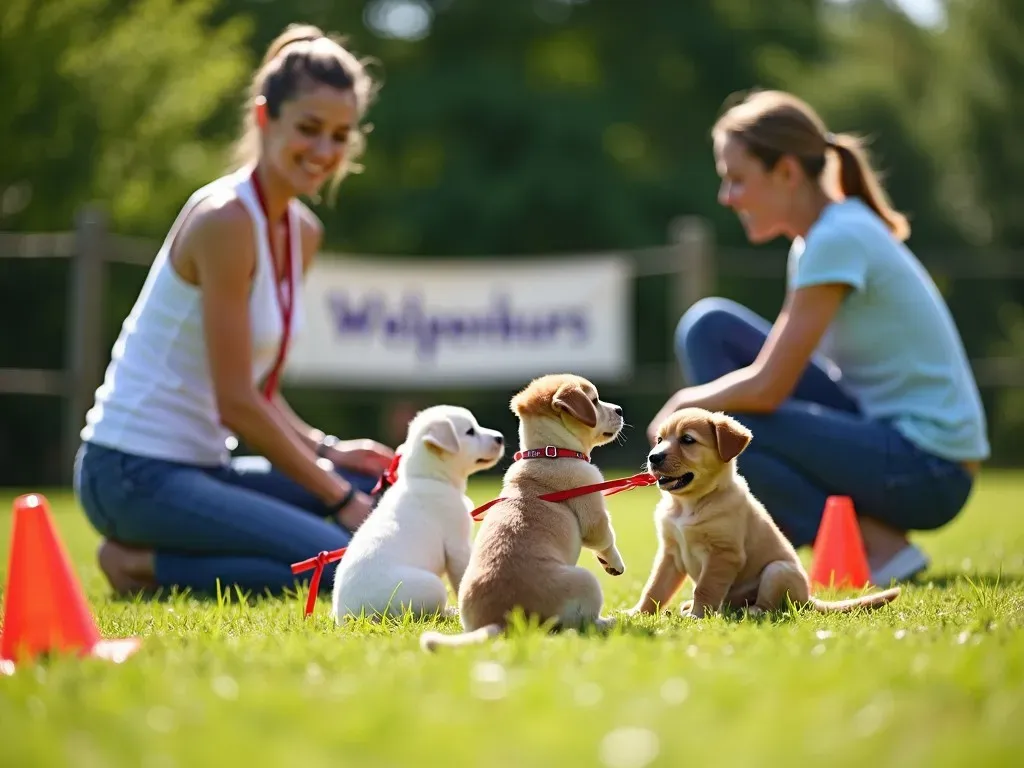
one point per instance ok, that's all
(817, 443)
(243, 524)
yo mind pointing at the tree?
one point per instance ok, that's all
(103, 108)
(982, 86)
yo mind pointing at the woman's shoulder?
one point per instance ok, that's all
(220, 216)
(217, 233)
(851, 227)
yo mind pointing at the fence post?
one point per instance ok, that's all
(84, 326)
(694, 239)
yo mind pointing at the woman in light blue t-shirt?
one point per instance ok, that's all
(861, 387)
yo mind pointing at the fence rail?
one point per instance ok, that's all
(690, 260)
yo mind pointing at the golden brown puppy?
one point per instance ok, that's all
(525, 553)
(712, 528)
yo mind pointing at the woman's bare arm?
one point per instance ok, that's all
(761, 386)
(219, 243)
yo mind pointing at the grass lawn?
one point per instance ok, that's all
(935, 679)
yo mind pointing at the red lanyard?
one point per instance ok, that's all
(285, 290)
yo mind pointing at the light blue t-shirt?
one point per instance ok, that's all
(893, 338)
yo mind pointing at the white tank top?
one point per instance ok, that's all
(157, 396)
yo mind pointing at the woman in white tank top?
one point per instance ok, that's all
(199, 358)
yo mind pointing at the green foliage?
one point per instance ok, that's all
(985, 60)
(109, 102)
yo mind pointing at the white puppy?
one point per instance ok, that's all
(421, 529)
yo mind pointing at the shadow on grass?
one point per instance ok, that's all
(230, 595)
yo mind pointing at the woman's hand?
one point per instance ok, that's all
(674, 403)
(356, 511)
(365, 456)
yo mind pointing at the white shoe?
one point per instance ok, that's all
(904, 565)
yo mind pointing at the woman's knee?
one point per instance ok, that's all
(705, 316)
(716, 317)
(705, 330)
(709, 323)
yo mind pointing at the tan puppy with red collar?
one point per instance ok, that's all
(712, 528)
(525, 553)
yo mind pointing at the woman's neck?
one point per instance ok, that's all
(807, 209)
(276, 192)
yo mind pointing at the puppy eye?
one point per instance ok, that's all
(687, 440)
(471, 432)
(594, 400)
(659, 440)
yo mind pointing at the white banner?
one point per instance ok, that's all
(395, 323)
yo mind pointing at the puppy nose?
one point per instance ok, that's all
(618, 410)
(656, 459)
(499, 439)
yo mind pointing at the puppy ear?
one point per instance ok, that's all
(574, 401)
(731, 437)
(441, 435)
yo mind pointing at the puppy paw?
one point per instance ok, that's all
(612, 562)
(690, 613)
(639, 610)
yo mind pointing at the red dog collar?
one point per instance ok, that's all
(550, 452)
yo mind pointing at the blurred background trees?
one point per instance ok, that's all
(509, 128)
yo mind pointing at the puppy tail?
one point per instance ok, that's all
(430, 641)
(873, 600)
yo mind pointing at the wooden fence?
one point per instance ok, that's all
(690, 261)
(90, 247)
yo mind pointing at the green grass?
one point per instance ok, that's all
(936, 679)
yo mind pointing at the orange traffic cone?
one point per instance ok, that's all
(839, 557)
(44, 605)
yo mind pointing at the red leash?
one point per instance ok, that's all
(607, 488)
(317, 563)
(285, 290)
(390, 476)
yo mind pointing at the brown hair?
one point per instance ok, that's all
(301, 56)
(775, 123)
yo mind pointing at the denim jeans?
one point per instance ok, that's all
(817, 443)
(243, 524)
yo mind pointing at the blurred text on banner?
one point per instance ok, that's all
(399, 323)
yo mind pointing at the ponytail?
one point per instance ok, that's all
(857, 179)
